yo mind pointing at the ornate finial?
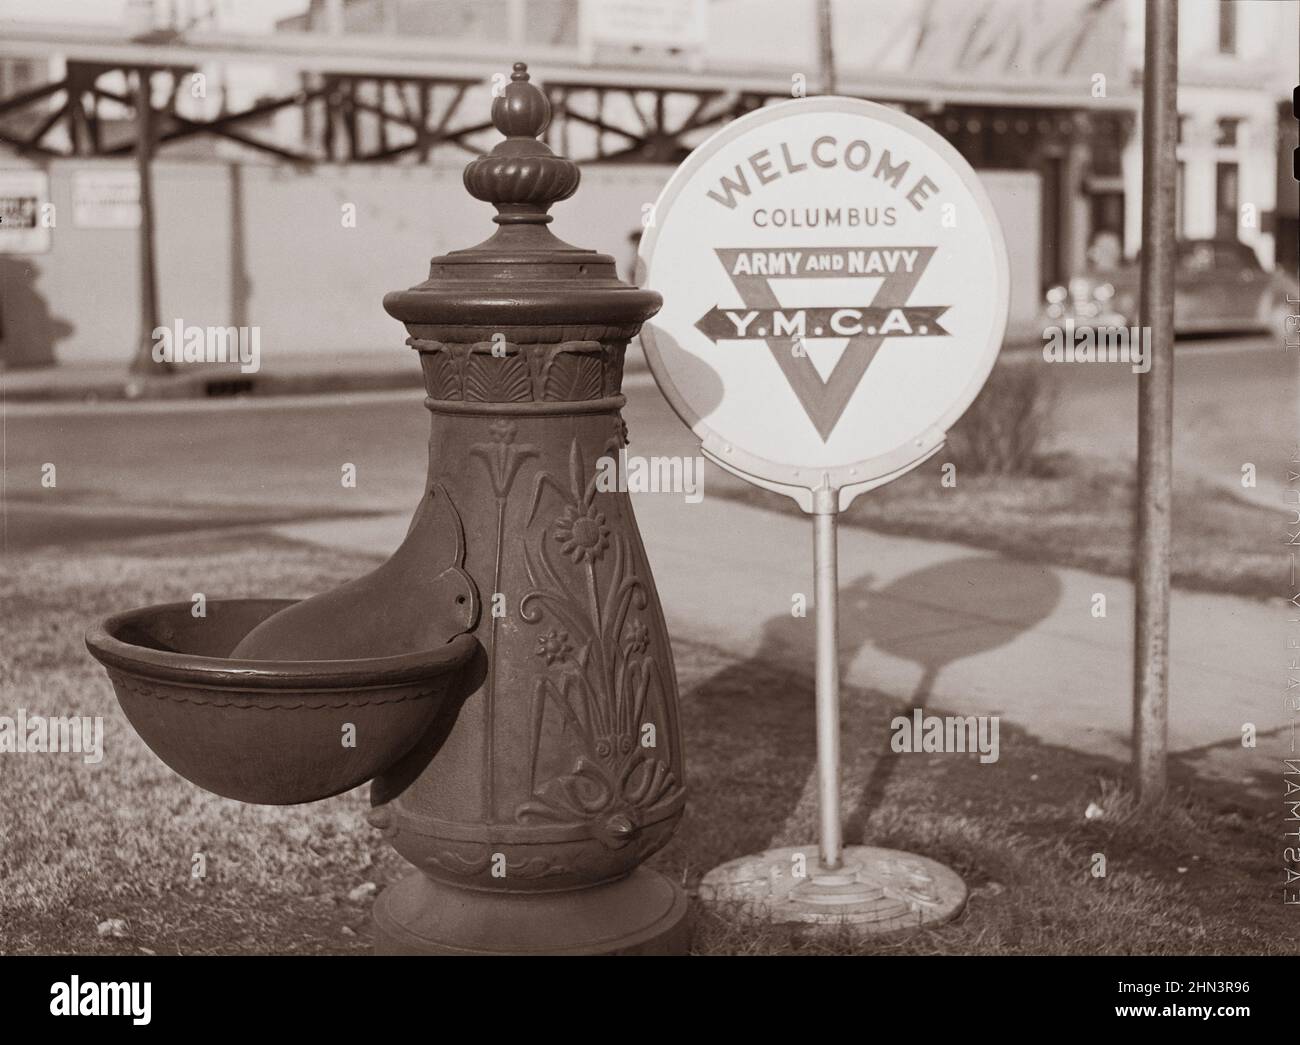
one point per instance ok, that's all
(522, 177)
(521, 110)
(521, 275)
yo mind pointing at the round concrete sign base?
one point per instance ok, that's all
(874, 890)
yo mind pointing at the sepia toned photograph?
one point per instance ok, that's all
(765, 478)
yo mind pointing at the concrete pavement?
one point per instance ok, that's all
(954, 628)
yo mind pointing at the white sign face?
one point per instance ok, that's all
(24, 223)
(107, 199)
(835, 289)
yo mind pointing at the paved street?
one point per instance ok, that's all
(1236, 402)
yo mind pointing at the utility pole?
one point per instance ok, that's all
(827, 46)
(1155, 402)
(143, 362)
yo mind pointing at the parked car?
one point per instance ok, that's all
(1219, 287)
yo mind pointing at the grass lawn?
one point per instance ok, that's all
(1078, 513)
(80, 845)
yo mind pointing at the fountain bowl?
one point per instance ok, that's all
(272, 732)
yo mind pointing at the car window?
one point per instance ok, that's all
(1206, 255)
(1236, 256)
(1197, 256)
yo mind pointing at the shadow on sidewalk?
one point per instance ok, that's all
(932, 617)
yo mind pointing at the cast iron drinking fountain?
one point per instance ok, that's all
(507, 673)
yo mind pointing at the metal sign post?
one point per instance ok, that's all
(835, 290)
(826, 590)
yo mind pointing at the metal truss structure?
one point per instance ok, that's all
(372, 119)
(348, 111)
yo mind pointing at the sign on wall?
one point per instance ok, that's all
(657, 23)
(835, 289)
(23, 227)
(106, 199)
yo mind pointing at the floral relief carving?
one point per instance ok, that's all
(580, 378)
(582, 533)
(569, 371)
(600, 680)
(479, 861)
(501, 457)
(440, 375)
(490, 378)
(554, 646)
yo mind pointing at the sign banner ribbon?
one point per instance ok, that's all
(733, 324)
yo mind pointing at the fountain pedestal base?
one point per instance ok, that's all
(644, 913)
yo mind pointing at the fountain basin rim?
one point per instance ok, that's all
(231, 674)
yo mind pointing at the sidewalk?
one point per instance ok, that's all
(961, 630)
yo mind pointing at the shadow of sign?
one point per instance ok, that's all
(935, 617)
(690, 370)
(932, 617)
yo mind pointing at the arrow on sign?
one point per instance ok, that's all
(732, 324)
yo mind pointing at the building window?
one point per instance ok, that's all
(1228, 128)
(1225, 199)
(1182, 128)
(1227, 27)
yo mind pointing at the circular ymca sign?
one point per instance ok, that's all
(835, 290)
